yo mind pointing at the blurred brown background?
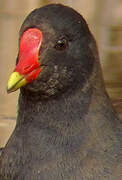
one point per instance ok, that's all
(105, 21)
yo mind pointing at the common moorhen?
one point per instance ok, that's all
(66, 126)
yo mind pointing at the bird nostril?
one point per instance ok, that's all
(27, 68)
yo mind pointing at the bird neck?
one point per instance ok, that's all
(62, 111)
(69, 114)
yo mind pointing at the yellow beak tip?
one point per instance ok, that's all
(9, 90)
(15, 82)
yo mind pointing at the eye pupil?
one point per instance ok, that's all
(61, 44)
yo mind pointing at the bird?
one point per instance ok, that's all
(67, 128)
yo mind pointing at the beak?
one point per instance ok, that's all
(28, 66)
(15, 82)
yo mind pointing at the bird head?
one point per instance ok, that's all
(54, 51)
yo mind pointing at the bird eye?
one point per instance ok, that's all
(61, 44)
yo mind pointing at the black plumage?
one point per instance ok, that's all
(66, 126)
